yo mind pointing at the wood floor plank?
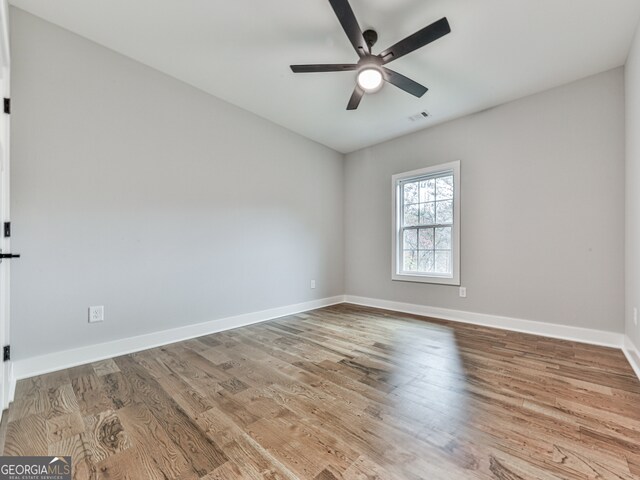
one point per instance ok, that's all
(257, 461)
(73, 446)
(90, 394)
(343, 392)
(27, 436)
(63, 426)
(62, 400)
(117, 389)
(105, 367)
(104, 436)
(31, 397)
(132, 464)
(227, 471)
(146, 432)
(204, 454)
(3, 428)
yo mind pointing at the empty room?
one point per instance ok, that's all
(330, 239)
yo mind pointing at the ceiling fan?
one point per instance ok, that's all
(371, 70)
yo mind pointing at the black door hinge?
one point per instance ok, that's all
(6, 353)
(7, 229)
(7, 106)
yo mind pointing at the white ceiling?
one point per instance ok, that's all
(240, 51)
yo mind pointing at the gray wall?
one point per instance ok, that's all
(632, 72)
(542, 208)
(169, 207)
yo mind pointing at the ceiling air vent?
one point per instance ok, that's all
(419, 116)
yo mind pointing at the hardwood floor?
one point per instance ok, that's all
(342, 392)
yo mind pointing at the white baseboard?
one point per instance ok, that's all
(52, 362)
(633, 354)
(70, 358)
(12, 386)
(563, 332)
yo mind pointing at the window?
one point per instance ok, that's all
(426, 225)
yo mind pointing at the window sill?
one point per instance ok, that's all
(426, 279)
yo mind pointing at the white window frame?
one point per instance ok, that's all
(396, 181)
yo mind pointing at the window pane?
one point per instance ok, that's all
(410, 239)
(425, 261)
(410, 263)
(426, 249)
(427, 213)
(425, 241)
(410, 193)
(444, 211)
(444, 188)
(411, 215)
(428, 190)
(443, 261)
(443, 238)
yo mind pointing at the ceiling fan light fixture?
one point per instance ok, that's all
(370, 79)
(372, 71)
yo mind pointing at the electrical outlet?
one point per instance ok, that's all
(313, 284)
(463, 292)
(635, 316)
(96, 314)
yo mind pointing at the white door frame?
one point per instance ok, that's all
(7, 385)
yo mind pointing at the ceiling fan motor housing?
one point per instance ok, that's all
(371, 37)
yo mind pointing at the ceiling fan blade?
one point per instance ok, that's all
(354, 101)
(350, 25)
(419, 39)
(329, 67)
(404, 83)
